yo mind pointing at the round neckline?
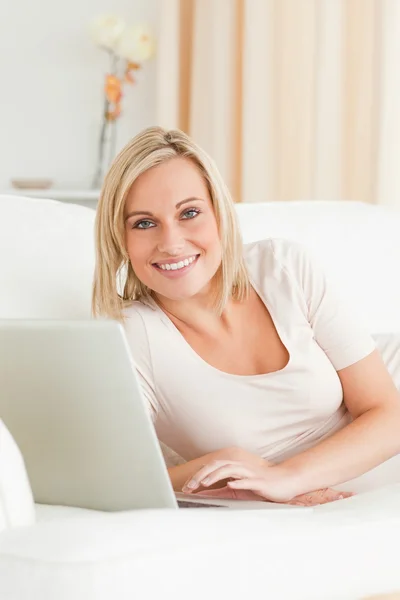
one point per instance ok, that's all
(202, 361)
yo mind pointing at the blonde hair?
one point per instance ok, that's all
(115, 283)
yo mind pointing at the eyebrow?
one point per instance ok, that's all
(149, 214)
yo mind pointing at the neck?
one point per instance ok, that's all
(196, 313)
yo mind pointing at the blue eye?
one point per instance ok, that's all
(143, 225)
(191, 213)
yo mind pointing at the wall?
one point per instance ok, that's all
(51, 78)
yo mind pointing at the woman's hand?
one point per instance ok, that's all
(311, 499)
(265, 480)
(319, 497)
(179, 474)
(229, 455)
(247, 478)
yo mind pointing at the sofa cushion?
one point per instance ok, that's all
(117, 555)
(46, 258)
(16, 500)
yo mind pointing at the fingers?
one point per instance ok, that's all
(223, 492)
(213, 472)
(257, 486)
(228, 493)
(234, 471)
(247, 477)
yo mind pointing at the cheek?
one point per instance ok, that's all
(210, 239)
(205, 230)
(138, 251)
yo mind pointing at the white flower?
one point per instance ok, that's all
(136, 44)
(107, 30)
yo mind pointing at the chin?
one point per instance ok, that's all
(180, 294)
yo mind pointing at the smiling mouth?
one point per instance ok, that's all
(176, 266)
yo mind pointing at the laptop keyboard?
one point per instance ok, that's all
(185, 504)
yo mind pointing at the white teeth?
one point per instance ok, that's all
(177, 266)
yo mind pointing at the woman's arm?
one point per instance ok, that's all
(183, 473)
(373, 437)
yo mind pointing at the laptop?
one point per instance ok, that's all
(70, 396)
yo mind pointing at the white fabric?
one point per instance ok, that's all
(357, 244)
(46, 259)
(341, 554)
(269, 89)
(275, 415)
(73, 554)
(16, 501)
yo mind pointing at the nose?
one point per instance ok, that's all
(170, 241)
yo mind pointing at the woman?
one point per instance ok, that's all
(252, 370)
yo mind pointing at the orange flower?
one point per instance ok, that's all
(113, 89)
(131, 66)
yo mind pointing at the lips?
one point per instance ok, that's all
(178, 268)
(177, 264)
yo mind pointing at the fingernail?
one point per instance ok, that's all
(205, 481)
(191, 484)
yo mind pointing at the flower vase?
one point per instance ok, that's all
(127, 47)
(106, 147)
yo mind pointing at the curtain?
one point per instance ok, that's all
(294, 99)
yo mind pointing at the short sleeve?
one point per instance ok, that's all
(338, 332)
(136, 334)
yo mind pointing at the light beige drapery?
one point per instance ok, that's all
(294, 99)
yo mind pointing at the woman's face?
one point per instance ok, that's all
(171, 233)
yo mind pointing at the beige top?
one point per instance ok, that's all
(197, 408)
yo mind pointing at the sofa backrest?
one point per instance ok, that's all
(357, 244)
(46, 259)
(47, 254)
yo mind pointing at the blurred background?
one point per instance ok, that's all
(294, 99)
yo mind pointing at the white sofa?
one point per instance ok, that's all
(344, 552)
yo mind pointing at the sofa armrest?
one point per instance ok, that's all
(16, 499)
